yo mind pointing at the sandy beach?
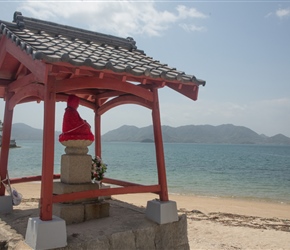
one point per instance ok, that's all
(213, 223)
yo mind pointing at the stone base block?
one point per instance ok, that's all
(77, 213)
(75, 169)
(46, 234)
(162, 212)
(63, 188)
(70, 213)
(92, 211)
(6, 204)
(105, 209)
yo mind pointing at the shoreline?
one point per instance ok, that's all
(250, 199)
(204, 204)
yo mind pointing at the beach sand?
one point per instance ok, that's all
(213, 223)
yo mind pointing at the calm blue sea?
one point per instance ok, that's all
(259, 172)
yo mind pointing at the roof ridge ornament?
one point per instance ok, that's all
(18, 19)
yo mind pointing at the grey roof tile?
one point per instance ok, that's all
(55, 43)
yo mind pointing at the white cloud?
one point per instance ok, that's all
(282, 13)
(185, 12)
(191, 27)
(123, 18)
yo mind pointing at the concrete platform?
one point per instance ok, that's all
(125, 228)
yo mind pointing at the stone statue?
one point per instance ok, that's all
(74, 127)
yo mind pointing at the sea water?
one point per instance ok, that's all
(259, 172)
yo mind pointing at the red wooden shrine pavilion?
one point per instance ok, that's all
(45, 61)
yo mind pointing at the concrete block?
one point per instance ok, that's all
(145, 238)
(46, 234)
(71, 213)
(75, 169)
(100, 243)
(92, 211)
(123, 240)
(105, 209)
(172, 235)
(6, 205)
(161, 212)
(166, 238)
(182, 230)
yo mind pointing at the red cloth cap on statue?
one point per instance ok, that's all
(73, 126)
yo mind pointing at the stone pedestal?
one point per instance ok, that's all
(75, 169)
(76, 177)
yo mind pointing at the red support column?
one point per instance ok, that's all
(98, 146)
(6, 134)
(159, 147)
(48, 151)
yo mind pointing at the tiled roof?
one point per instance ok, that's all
(55, 43)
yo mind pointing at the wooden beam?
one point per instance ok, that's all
(6, 134)
(48, 151)
(97, 83)
(119, 182)
(37, 67)
(106, 192)
(190, 91)
(4, 83)
(31, 90)
(98, 141)
(3, 51)
(159, 147)
(101, 75)
(31, 178)
(21, 82)
(21, 71)
(125, 99)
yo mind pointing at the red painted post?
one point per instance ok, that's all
(6, 134)
(98, 146)
(48, 151)
(159, 147)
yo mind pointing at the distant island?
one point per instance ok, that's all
(222, 134)
(12, 141)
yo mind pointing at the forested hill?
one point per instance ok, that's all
(226, 133)
(21, 131)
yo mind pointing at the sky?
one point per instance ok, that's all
(240, 48)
